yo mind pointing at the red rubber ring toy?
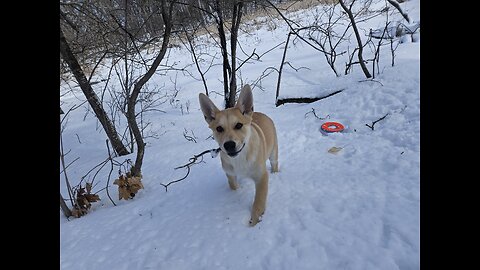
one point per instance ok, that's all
(332, 127)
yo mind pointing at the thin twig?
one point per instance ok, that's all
(195, 58)
(376, 121)
(66, 167)
(110, 173)
(191, 162)
(263, 76)
(78, 138)
(62, 159)
(248, 58)
(101, 165)
(296, 69)
(269, 50)
(314, 114)
(188, 137)
(371, 80)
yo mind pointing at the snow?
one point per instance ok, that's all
(355, 209)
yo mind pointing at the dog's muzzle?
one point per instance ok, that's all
(233, 153)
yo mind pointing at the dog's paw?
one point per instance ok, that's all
(254, 220)
(233, 186)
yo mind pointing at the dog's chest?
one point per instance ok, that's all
(239, 166)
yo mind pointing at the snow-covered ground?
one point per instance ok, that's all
(355, 209)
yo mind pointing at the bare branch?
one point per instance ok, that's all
(62, 159)
(376, 121)
(246, 60)
(188, 137)
(191, 162)
(281, 67)
(262, 76)
(397, 6)
(110, 173)
(66, 167)
(314, 114)
(195, 58)
(296, 69)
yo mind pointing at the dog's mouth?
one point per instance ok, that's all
(232, 154)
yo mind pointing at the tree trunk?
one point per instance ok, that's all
(281, 68)
(91, 96)
(132, 100)
(66, 211)
(357, 36)
(397, 6)
(227, 70)
(236, 18)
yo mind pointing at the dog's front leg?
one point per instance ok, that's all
(259, 204)
(232, 181)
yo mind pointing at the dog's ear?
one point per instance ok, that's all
(208, 108)
(245, 100)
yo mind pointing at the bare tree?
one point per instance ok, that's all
(91, 96)
(229, 65)
(123, 38)
(220, 11)
(167, 19)
(133, 94)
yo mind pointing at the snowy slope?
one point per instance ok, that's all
(356, 209)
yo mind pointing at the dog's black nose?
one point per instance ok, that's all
(229, 146)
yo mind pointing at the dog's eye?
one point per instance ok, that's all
(238, 126)
(220, 129)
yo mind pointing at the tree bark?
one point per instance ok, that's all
(91, 96)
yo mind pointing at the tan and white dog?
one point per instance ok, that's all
(246, 139)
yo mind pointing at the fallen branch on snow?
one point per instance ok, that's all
(316, 116)
(282, 101)
(376, 121)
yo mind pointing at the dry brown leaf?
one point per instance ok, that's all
(83, 200)
(92, 197)
(128, 186)
(135, 183)
(334, 150)
(123, 193)
(78, 212)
